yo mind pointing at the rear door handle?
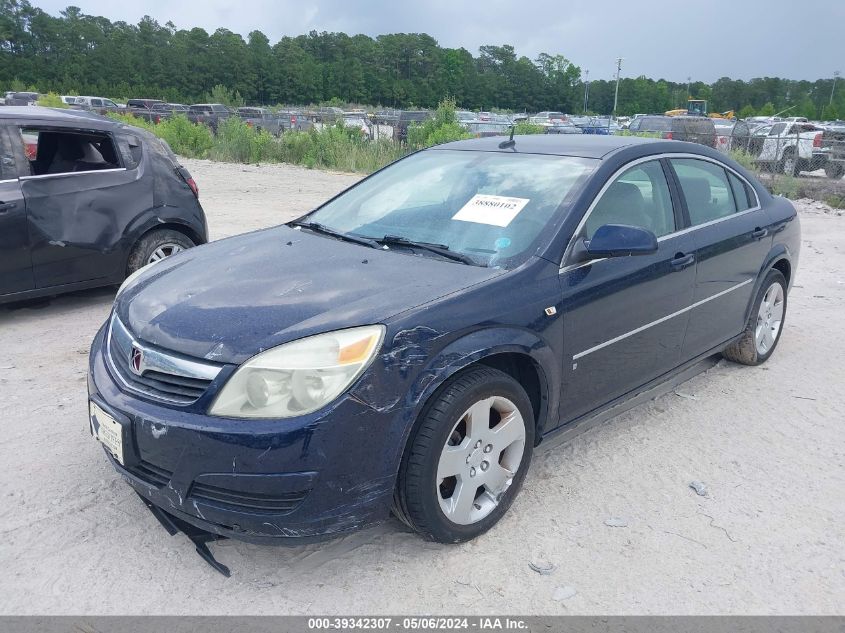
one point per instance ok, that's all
(682, 261)
(5, 206)
(759, 234)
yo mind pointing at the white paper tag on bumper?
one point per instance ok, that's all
(494, 210)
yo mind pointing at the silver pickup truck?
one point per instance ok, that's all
(209, 114)
(792, 147)
(832, 151)
(262, 119)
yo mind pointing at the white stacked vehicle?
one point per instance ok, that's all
(791, 147)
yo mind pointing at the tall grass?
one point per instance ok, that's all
(524, 127)
(237, 142)
(333, 147)
(185, 138)
(441, 128)
(745, 159)
(51, 100)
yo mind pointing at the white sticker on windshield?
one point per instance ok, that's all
(494, 210)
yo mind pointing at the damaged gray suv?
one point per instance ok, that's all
(85, 201)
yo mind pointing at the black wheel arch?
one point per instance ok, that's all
(520, 354)
(152, 222)
(780, 259)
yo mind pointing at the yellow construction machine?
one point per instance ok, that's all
(698, 107)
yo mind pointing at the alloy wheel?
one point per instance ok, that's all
(789, 165)
(164, 251)
(480, 459)
(769, 319)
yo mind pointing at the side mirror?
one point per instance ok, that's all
(621, 240)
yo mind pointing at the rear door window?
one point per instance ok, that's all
(62, 151)
(705, 188)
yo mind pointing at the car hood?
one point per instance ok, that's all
(231, 299)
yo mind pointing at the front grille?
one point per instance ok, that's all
(163, 386)
(281, 503)
(164, 376)
(153, 475)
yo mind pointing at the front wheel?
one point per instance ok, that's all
(789, 164)
(467, 458)
(765, 325)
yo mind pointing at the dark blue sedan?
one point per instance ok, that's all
(408, 344)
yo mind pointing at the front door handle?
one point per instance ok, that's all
(759, 234)
(682, 261)
(5, 206)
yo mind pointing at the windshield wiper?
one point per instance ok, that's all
(439, 249)
(325, 230)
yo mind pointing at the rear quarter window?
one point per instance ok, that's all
(8, 166)
(743, 195)
(131, 150)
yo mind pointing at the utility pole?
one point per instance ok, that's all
(835, 76)
(616, 94)
(689, 80)
(586, 89)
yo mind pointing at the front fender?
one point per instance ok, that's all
(481, 344)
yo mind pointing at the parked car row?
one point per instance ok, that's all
(791, 146)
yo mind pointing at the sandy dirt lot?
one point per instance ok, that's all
(769, 537)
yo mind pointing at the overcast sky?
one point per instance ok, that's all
(660, 39)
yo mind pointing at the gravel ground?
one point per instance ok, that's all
(612, 510)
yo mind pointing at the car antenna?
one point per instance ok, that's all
(510, 142)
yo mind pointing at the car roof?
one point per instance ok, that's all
(583, 145)
(41, 113)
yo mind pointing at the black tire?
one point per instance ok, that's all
(152, 241)
(783, 164)
(744, 350)
(416, 501)
(834, 170)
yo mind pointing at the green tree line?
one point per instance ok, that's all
(75, 53)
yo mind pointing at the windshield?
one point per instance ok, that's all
(489, 206)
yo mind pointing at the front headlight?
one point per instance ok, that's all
(299, 377)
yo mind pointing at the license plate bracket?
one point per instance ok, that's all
(109, 431)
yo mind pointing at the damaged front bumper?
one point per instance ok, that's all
(262, 481)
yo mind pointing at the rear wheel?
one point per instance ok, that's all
(155, 246)
(834, 170)
(467, 458)
(764, 327)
